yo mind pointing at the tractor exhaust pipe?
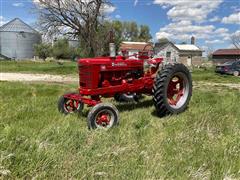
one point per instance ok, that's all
(112, 47)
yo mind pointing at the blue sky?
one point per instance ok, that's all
(212, 22)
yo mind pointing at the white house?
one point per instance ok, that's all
(188, 54)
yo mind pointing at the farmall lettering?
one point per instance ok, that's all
(121, 64)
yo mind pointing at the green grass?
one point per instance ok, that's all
(39, 67)
(38, 142)
(70, 68)
(209, 75)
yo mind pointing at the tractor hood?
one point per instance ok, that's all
(95, 61)
(119, 61)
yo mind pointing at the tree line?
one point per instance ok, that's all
(123, 31)
(86, 20)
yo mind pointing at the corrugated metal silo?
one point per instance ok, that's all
(17, 40)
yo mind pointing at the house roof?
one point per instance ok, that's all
(187, 47)
(180, 47)
(135, 46)
(17, 25)
(227, 52)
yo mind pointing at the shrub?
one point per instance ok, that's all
(61, 49)
(42, 50)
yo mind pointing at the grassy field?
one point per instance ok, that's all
(70, 68)
(38, 142)
(209, 75)
(39, 67)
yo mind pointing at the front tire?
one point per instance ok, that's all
(69, 106)
(103, 116)
(172, 90)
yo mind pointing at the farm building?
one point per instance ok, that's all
(225, 55)
(131, 48)
(188, 54)
(17, 40)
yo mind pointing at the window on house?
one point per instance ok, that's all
(168, 54)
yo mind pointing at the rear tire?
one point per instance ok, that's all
(103, 116)
(172, 90)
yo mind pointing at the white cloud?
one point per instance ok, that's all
(236, 33)
(232, 19)
(18, 4)
(221, 30)
(216, 41)
(187, 17)
(162, 35)
(106, 8)
(184, 30)
(188, 9)
(118, 16)
(215, 19)
(2, 20)
(135, 2)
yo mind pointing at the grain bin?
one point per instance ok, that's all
(17, 40)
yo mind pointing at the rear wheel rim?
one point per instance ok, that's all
(104, 119)
(178, 90)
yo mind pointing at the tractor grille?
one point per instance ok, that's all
(85, 76)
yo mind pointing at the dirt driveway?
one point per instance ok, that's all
(71, 79)
(37, 78)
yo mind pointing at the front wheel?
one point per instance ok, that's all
(172, 90)
(69, 106)
(103, 116)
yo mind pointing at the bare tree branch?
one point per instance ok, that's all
(79, 18)
(236, 40)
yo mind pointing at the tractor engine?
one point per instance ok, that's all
(106, 72)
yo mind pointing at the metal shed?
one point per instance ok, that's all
(17, 40)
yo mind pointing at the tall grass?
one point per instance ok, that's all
(38, 142)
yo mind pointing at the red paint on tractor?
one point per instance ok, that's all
(105, 77)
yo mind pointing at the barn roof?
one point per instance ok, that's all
(227, 52)
(17, 25)
(135, 46)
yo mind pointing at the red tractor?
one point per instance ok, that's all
(114, 76)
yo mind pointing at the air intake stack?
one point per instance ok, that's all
(112, 47)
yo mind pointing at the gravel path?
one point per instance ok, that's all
(37, 78)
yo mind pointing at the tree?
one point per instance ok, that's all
(163, 40)
(130, 31)
(81, 19)
(144, 34)
(236, 40)
(61, 49)
(123, 31)
(42, 50)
